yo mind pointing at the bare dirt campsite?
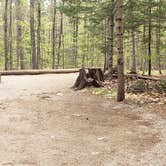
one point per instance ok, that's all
(45, 123)
(83, 83)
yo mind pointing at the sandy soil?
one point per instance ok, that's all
(45, 123)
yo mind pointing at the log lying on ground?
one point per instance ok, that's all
(38, 72)
(89, 77)
(152, 78)
(136, 76)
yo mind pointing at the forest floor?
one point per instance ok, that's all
(45, 123)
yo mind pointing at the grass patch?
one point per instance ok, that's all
(105, 92)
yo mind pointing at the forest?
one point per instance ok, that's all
(45, 34)
(83, 82)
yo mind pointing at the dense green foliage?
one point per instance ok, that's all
(84, 36)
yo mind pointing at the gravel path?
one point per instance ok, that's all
(45, 123)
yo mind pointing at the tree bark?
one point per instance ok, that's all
(38, 72)
(85, 41)
(63, 52)
(32, 29)
(63, 41)
(89, 77)
(105, 45)
(121, 79)
(76, 54)
(158, 37)
(111, 41)
(38, 33)
(75, 40)
(144, 58)
(11, 36)
(20, 53)
(149, 40)
(54, 35)
(60, 41)
(6, 35)
(133, 68)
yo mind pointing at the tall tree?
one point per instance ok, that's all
(144, 47)
(6, 35)
(20, 53)
(132, 24)
(149, 37)
(111, 40)
(11, 35)
(121, 80)
(38, 32)
(158, 35)
(54, 35)
(60, 39)
(89, 38)
(133, 68)
(32, 29)
(75, 40)
(105, 45)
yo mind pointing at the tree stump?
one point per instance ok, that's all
(107, 74)
(89, 77)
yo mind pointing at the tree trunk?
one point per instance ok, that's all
(85, 41)
(121, 80)
(143, 45)
(60, 41)
(149, 41)
(73, 44)
(11, 36)
(38, 33)
(105, 46)
(76, 44)
(91, 49)
(63, 52)
(75, 40)
(144, 59)
(133, 68)
(32, 28)
(54, 35)
(111, 41)
(6, 35)
(158, 37)
(20, 54)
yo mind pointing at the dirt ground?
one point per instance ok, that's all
(45, 123)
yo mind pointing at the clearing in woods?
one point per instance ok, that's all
(45, 123)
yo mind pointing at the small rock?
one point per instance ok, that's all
(59, 94)
(100, 139)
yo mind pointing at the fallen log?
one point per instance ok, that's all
(136, 76)
(89, 77)
(152, 78)
(38, 72)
